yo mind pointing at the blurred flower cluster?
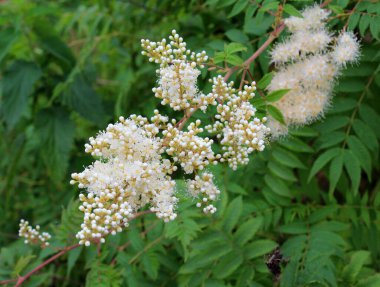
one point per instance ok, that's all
(308, 61)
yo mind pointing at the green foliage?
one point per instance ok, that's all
(70, 67)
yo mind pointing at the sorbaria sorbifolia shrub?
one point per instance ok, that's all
(136, 157)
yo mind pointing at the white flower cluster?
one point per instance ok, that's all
(204, 187)
(136, 157)
(33, 235)
(191, 151)
(130, 175)
(241, 133)
(307, 63)
(177, 74)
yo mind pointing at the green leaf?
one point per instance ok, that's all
(232, 214)
(151, 264)
(281, 171)
(293, 228)
(53, 45)
(265, 81)
(204, 259)
(56, 133)
(234, 60)
(103, 275)
(238, 7)
(234, 48)
(287, 158)
(81, 97)
(7, 38)
(276, 95)
(278, 186)
(335, 171)
(258, 27)
(358, 259)
(72, 258)
(276, 114)
(17, 87)
(366, 134)
(322, 160)
(371, 281)
(292, 11)
(247, 230)
(296, 145)
(21, 264)
(362, 154)
(352, 165)
(259, 248)
(331, 139)
(270, 6)
(227, 265)
(353, 21)
(364, 24)
(236, 35)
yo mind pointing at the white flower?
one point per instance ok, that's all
(313, 19)
(204, 188)
(307, 64)
(33, 235)
(346, 49)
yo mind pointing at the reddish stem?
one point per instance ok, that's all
(262, 48)
(46, 262)
(22, 279)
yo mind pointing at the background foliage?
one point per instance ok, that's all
(70, 67)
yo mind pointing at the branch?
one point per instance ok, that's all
(270, 39)
(42, 265)
(21, 279)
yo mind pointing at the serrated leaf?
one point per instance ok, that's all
(204, 259)
(371, 281)
(247, 230)
(7, 38)
(56, 133)
(366, 134)
(335, 171)
(362, 154)
(352, 165)
(287, 158)
(234, 60)
(358, 259)
(232, 214)
(292, 11)
(227, 265)
(236, 35)
(296, 145)
(21, 264)
(353, 21)
(259, 248)
(265, 80)
(364, 24)
(234, 48)
(81, 97)
(102, 275)
(52, 44)
(281, 171)
(238, 7)
(277, 186)
(17, 87)
(322, 160)
(276, 95)
(150, 263)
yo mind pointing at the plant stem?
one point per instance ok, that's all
(22, 279)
